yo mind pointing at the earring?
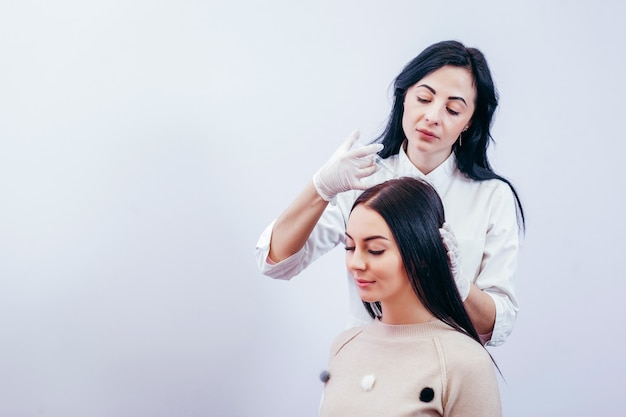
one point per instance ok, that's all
(461, 136)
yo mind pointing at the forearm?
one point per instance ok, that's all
(481, 309)
(295, 224)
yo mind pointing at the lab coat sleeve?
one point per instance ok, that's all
(499, 262)
(327, 234)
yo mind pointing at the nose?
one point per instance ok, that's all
(433, 115)
(355, 260)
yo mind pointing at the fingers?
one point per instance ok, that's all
(363, 162)
(448, 229)
(449, 242)
(366, 150)
(366, 171)
(352, 139)
(359, 150)
(447, 233)
(364, 178)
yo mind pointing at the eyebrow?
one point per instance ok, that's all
(432, 90)
(367, 239)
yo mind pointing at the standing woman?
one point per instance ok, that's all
(421, 355)
(439, 131)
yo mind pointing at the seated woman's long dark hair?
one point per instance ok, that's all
(414, 213)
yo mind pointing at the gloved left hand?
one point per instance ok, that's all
(463, 284)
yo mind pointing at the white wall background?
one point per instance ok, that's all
(144, 145)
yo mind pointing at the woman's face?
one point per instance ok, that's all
(436, 110)
(373, 258)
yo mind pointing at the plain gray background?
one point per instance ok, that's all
(144, 146)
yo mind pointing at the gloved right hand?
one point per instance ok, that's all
(463, 284)
(347, 169)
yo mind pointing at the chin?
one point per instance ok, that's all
(419, 145)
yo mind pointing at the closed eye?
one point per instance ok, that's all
(349, 248)
(453, 112)
(376, 252)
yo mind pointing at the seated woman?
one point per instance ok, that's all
(421, 355)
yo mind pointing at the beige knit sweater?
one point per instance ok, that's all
(427, 369)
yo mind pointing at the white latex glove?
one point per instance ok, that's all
(347, 169)
(454, 257)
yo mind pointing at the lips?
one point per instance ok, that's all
(427, 133)
(362, 283)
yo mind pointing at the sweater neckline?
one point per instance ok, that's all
(430, 328)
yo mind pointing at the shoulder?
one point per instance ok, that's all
(344, 338)
(485, 195)
(487, 185)
(471, 386)
(461, 352)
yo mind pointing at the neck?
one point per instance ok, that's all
(426, 162)
(405, 313)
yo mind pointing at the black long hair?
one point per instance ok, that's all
(414, 213)
(472, 157)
